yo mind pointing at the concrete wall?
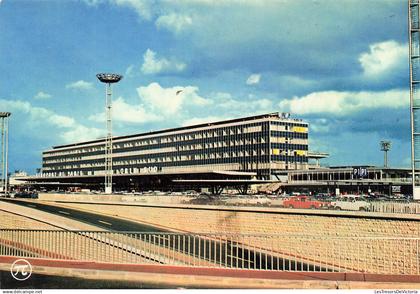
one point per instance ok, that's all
(113, 198)
(13, 221)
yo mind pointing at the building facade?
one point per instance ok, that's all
(262, 145)
(350, 179)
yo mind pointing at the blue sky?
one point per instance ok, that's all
(340, 65)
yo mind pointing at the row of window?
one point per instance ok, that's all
(169, 158)
(333, 176)
(278, 148)
(159, 165)
(285, 158)
(169, 141)
(99, 165)
(243, 140)
(243, 130)
(295, 135)
(156, 153)
(289, 124)
(285, 146)
(179, 147)
(182, 160)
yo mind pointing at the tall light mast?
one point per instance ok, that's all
(108, 79)
(4, 126)
(414, 56)
(385, 147)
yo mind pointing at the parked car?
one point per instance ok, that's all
(351, 202)
(26, 194)
(304, 202)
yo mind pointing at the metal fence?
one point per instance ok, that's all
(385, 207)
(395, 207)
(240, 251)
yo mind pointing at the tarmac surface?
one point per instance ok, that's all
(98, 220)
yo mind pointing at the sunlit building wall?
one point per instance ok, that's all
(264, 144)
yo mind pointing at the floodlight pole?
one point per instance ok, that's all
(385, 146)
(414, 49)
(108, 79)
(3, 154)
(4, 117)
(108, 143)
(385, 158)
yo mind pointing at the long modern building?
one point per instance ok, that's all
(259, 147)
(350, 179)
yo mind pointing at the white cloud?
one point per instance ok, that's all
(164, 100)
(80, 133)
(142, 7)
(80, 85)
(154, 65)
(146, 9)
(225, 106)
(42, 95)
(155, 104)
(320, 125)
(129, 71)
(170, 100)
(57, 120)
(253, 79)
(383, 58)
(124, 112)
(226, 101)
(227, 30)
(342, 103)
(130, 113)
(201, 120)
(174, 22)
(39, 114)
(38, 117)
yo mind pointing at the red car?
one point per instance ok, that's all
(303, 202)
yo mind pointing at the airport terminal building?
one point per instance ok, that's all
(258, 147)
(350, 179)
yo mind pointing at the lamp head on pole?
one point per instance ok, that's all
(109, 78)
(385, 145)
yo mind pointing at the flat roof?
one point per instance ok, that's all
(316, 154)
(248, 118)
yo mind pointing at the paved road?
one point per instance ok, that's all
(99, 220)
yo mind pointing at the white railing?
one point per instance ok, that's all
(308, 253)
(395, 207)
